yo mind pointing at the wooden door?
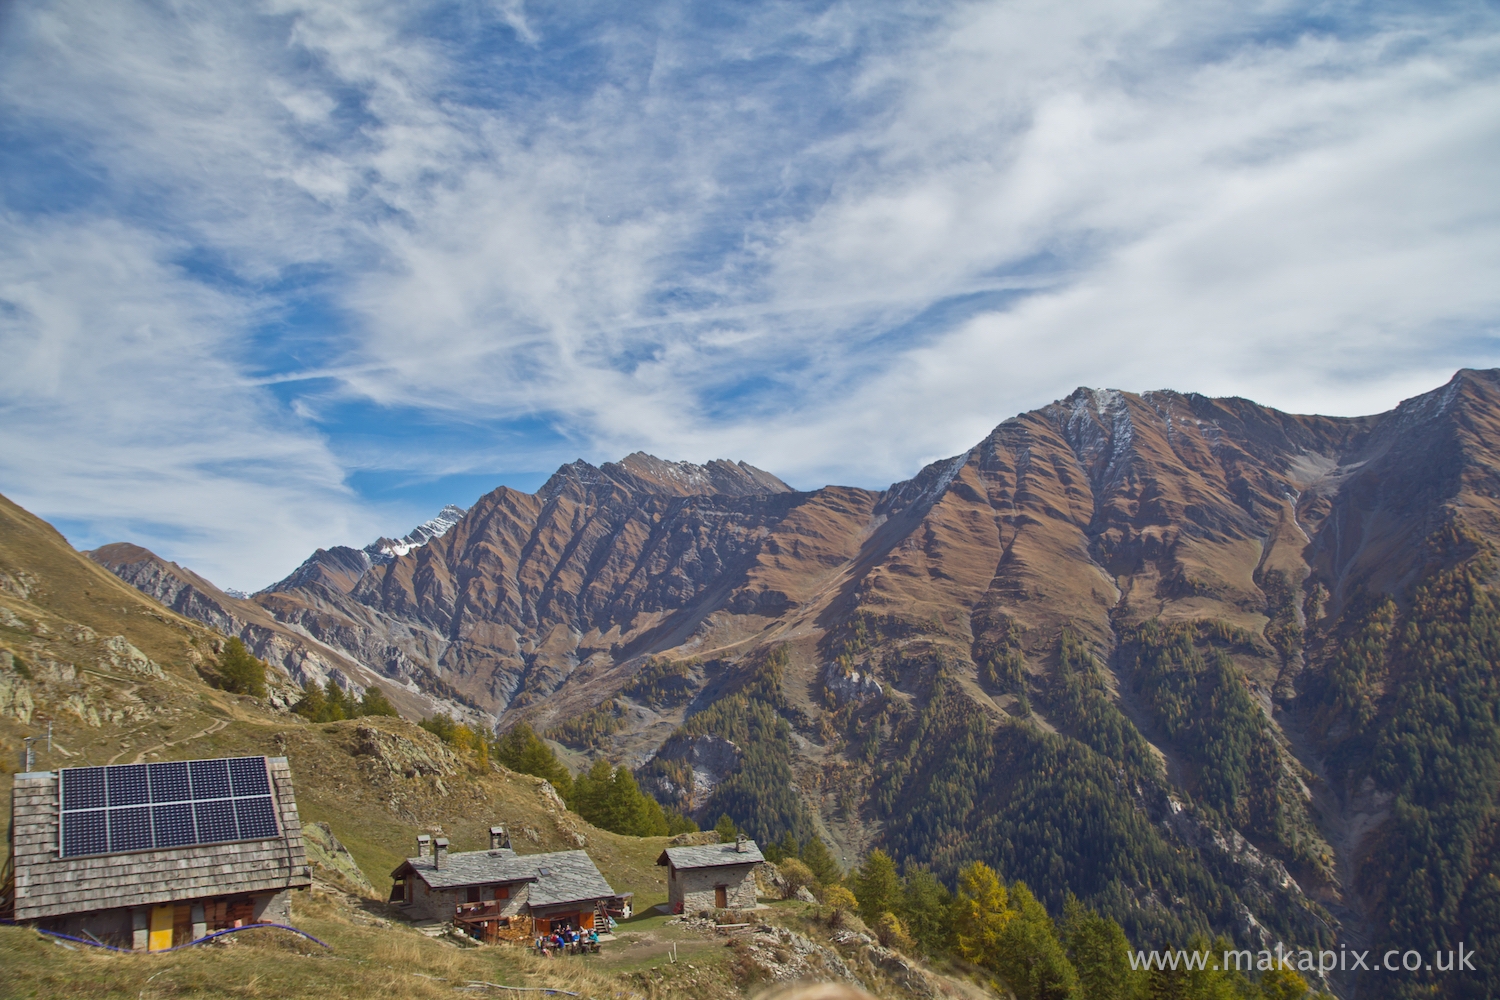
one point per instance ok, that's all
(721, 896)
(182, 924)
(161, 927)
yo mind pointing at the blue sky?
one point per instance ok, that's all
(286, 274)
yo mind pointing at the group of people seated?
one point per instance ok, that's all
(566, 940)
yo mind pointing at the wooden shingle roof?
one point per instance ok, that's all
(50, 885)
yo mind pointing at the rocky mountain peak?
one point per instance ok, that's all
(386, 549)
(655, 475)
(643, 474)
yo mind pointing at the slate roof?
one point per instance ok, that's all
(710, 856)
(569, 875)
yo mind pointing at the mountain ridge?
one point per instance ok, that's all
(1159, 583)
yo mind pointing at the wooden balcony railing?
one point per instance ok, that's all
(487, 910)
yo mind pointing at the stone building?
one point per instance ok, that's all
(498, 894)
(715, 876)
(150, 856)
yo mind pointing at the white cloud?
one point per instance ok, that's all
(709, 238)
(123, 408)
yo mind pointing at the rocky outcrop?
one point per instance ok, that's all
(333, 860)
(695, 766)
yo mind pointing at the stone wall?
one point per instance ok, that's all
(441, 904)
(694, 887)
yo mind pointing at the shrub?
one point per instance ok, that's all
(838, 901)
(795, 875)
(892, 932)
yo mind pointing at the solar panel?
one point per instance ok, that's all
(256, 817)
(85, 833)
(210, 778)
(249, 776)
(215, 820)
(83, 788)
(127, 785)
(130, 829)
(174, 824)
(141, 807)
(169, 782)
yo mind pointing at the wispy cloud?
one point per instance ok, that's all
(378, 240)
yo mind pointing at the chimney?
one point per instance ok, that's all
(439, 852)
(424, 845)
(739, 843)
(499, 838)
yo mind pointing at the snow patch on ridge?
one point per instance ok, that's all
(383, 550)
(1100, 428)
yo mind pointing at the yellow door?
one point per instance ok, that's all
(161, 927)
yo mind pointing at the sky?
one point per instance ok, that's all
(284, 274)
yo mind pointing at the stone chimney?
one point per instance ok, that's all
(499, 838)
(739, 843)
(424, 845)
(439, 852)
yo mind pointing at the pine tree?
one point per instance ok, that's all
(926, 906)
(980, 914)
(726, 829)
(312, 703)
(875, 884)
(1030, 959)
(816, 856)
(336, 707)
(678, 823)
(785, 848)
(376, 703)
(241, 673)
(521, 750)
(1099, 952)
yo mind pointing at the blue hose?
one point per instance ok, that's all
(206, 937)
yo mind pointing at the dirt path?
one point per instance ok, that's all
(217, 725)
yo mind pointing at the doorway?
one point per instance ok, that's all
(721, 896)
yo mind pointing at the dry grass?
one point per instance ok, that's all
(367, 961)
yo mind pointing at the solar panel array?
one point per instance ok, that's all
(141, 807)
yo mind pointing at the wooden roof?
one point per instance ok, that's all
(48, 885)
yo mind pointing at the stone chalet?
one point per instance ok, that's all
(715, 876)
(151, 856)
(498, 894)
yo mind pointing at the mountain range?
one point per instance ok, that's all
(1211, 667)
